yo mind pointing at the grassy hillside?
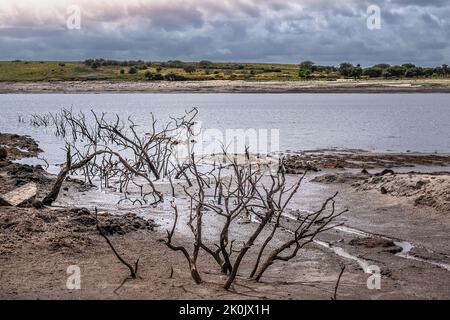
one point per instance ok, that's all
(101, 69)
(53, 70)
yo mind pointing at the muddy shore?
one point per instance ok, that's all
(409, 243)
(227, 86)
(390, 174)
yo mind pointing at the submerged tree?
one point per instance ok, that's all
(107, 148)
(102, 149)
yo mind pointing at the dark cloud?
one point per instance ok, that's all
(325, 31)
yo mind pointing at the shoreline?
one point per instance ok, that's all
(44, 241)
(225, 86)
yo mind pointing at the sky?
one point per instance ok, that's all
(282, 31)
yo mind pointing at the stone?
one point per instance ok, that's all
(3, 153)
(20, 195)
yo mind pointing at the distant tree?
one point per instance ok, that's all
(345, 69)
(413, 72)
(445, 70)
(428, 72)
(304, 73)
(306, 65)
(382, 66)
(174, 64)
(394, 72)
(205, 64)
(151, 76)
(132, 70)
(174, 77)
(122, 71)
(356, 72)
(95, 65)
(408, 65)
(373, 72)
(306, 69)
(189, 68)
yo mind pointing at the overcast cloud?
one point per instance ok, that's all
(325, 31)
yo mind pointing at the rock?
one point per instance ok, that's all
(112, 228)
(420, 184)
(372, 242)
(393, 249)
(20, 195)
(4, 203)
(383, 190)
(86, 220)
(37, 204)
(79, 212)
(3, 153)
(425, 200)
(364, 171)
(385, 172)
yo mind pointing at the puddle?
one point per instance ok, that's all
(405, 245)
(342, 253)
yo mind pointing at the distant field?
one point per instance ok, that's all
(53, 70)
(101, 69)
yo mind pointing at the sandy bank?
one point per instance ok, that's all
(226, 86)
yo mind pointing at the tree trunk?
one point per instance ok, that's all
(53, 195)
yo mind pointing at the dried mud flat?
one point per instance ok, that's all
(227, 86)
(38, 245)
(316, 160)
(389, 174)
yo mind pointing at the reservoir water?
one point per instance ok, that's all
(376, 122)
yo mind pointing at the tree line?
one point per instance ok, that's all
(308, 69)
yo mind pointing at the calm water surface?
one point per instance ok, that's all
(379, 122)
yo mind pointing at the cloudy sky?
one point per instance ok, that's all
(325, 31)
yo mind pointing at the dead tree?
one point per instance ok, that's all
(109, 148)
(336, 287)
(133, 269)
(250, 190)
(308, 228)
(114, 148)
(192, 259)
